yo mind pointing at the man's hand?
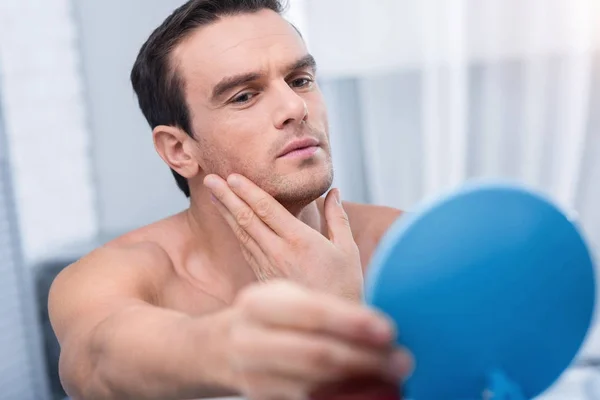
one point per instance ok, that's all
(278, 245)
(284, 341)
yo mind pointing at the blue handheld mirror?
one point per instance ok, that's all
(492, 289)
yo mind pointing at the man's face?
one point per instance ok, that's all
(251, 89)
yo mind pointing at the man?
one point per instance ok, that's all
(256, 288)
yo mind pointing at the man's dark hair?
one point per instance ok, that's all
(157, 84)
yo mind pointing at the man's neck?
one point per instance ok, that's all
(214, 237)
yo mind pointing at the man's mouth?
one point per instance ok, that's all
(305, 147)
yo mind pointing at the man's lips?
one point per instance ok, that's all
(300, 148)
(303, 152)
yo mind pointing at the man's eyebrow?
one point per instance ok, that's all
(230, 82)
(308, 61)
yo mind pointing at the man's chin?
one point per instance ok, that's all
(301, 194)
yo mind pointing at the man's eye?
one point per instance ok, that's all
(243, 98)
(301, 82)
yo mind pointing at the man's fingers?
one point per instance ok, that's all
(317, 358)
(269, 210)
(241, 217)
(250, 249)
(286, 305)
(241, 234)
(338, 224)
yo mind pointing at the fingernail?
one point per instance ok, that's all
(213, 199)
(233, 180)
(210, 182)
(402, 364)
(338, 199)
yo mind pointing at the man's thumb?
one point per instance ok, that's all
(338, 224)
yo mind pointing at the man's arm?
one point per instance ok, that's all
(117, 343)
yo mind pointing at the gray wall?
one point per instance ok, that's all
(134, 186)
(22, 373)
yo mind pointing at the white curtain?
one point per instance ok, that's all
(426, 94)
(446, 90)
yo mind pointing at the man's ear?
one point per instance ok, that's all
(174, 147)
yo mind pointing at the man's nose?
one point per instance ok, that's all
(291, 108)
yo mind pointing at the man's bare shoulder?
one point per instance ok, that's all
(103, 281)
(369, 223)
(373, 219)
(137, 260)
(146, 247)
(137, 268)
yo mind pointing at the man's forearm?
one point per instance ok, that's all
(150, 353)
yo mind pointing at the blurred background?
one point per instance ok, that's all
(423, 95)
